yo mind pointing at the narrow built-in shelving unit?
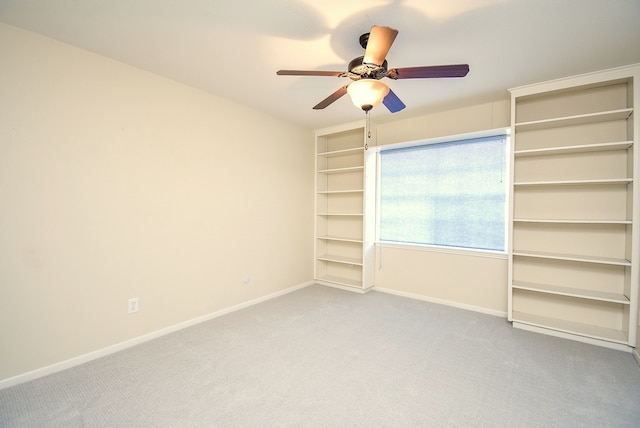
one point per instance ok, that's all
(344, 224)
(574, 250)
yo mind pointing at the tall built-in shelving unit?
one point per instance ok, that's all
(574, 217)
(345, 204)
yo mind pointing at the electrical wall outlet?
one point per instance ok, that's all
(133, 305)
(246, 279)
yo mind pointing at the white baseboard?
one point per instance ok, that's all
(63, 365)
(443, 302)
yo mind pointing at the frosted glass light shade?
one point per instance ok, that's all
(367, 93)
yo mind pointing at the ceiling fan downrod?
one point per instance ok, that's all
(364, 39)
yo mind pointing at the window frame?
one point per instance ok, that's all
(506, 132)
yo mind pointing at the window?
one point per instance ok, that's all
(449, 193)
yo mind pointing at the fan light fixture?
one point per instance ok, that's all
(367, 93)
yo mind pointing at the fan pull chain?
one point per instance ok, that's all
(368, 126)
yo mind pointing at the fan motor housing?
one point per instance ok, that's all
(358, 69)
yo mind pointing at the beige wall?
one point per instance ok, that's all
(477, 282)
(117, 183)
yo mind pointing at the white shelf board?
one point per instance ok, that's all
(620, 145)
(340, 281)
(580, 119)
(328, 192)
(572, 292)
(341, 170)
(609, 181)
(341, 239)
(573, 257)
(340, 214)
(341, 152)
(571, 327)
(570, 221)
(340, 259)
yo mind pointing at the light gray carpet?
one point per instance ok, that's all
(322, 357)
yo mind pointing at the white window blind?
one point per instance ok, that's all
(449, 194)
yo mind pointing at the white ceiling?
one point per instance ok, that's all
(233, 48)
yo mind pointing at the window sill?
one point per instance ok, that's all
(493, 254)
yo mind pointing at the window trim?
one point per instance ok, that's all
(430, 248)
(448, 248)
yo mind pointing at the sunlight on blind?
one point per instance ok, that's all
(451, 194)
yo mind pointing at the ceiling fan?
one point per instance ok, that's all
(366, 90)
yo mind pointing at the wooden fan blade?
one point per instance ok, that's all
(331, 98)
(378, 45)
(392, 102)
(433, 71)
(309, 73)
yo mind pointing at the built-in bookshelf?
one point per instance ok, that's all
(573, 251)
(345, 204)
